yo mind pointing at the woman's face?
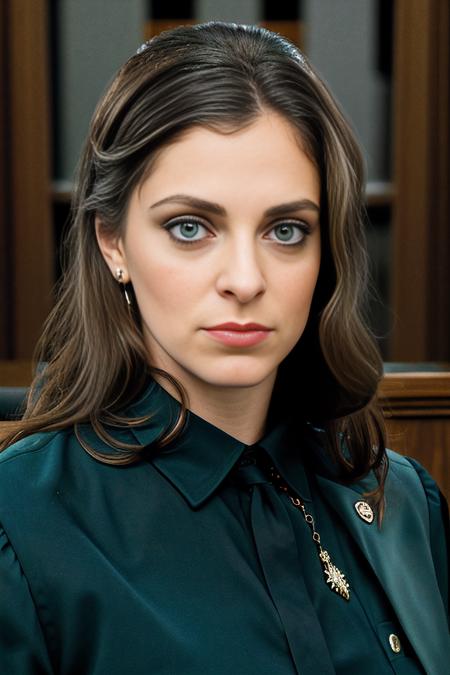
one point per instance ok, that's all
(225, 229)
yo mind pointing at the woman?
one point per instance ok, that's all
(200, 483)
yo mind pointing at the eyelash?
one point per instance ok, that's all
(301, 225)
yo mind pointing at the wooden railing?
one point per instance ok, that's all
(416, 405)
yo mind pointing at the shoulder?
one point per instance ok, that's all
(422, 495)
(398, 459)
(402, 466)
(43, 477)
(414, 503)
(30, 471)
(410, 485)
(404, 483)
(38, 442)
(437, 513)
(408, 475)
(31, 467)
(33, 449)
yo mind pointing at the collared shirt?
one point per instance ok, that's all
(189, 562)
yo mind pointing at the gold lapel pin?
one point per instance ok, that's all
(364, 511)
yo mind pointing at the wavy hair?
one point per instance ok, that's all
(221, 76)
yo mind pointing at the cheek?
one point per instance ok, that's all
(296, 288)
(164, 286)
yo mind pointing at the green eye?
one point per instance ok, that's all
(190, 231)
(284, 232)
(186, 231)
(289, 233)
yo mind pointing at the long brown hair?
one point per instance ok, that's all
(221, 76)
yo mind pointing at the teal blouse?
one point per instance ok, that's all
(190, 562)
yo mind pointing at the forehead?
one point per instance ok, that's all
(270, 126)
(267, 154)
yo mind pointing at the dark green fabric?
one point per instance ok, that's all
(191, 562)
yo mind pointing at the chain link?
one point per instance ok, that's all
(334, 577)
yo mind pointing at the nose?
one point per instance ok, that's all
(240, 274)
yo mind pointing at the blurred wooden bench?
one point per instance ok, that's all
(415, 400)
(15, 373)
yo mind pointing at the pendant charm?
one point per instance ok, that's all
(334, 576)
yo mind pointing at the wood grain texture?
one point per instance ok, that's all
(29, 129)
(421, 239)
(416, 407)
(5, 320)
(16, 373)
(427, 441)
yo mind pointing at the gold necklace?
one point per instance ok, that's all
(334, 577)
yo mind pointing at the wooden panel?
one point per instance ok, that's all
(417, 412)
(428, 442)
(440, 153)
(421, 239)
(422, 394)
(32, 246)
(4, 258)
(16, 373)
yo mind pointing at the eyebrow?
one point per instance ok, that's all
(212, 207)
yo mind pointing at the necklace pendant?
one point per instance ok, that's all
(334, 577)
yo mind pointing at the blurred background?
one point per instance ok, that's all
(386, 62)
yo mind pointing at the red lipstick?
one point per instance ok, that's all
(239, 326)
(238, 334)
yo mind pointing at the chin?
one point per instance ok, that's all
(236, 375)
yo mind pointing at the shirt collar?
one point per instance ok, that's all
(202, 455)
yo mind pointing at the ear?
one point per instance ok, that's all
(112, 250)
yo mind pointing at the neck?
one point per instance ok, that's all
(239, 411)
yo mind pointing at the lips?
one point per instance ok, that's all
(240, 327)
(239, 335)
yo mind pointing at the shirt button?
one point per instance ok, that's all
(395, 643)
